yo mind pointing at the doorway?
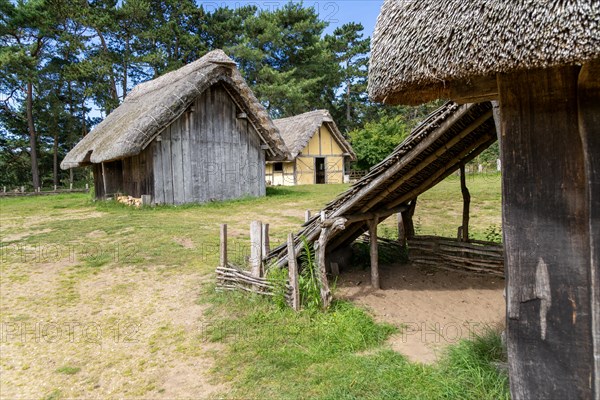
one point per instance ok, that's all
(320, 170)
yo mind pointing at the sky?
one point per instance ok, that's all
(336, 13)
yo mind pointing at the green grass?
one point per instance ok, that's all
(70, 242)
(68, 370)
(339, 354)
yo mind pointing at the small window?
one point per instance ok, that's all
(278, 167)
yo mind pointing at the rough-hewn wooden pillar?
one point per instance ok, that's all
(374, 252)
(466, 204)
(589, 128)
(546, 219)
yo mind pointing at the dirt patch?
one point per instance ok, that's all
(121, 331)
(186, 243)
(432, 308)
(23, 235)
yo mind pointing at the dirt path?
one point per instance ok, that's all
(435, 308)
(123, 331)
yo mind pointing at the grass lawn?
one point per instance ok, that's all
(101, 300)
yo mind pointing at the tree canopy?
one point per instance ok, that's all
(64, 64)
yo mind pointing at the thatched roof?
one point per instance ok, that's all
(420, 47)
(154, 105)
(452, 135)
(298, 130)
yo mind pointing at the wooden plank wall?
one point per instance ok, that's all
(208, 154)
(138, 174)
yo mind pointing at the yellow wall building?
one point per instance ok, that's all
(319, 152)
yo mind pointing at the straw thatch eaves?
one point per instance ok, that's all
(428, 49)
(297, 131)
(452, 135)
(154, 105)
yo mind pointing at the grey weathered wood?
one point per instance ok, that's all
(177, 162)
(104, 183)
(401, 233)
(159, 194)
(466, 204)
(335, 269)
(167, 170)
(146, 199)
(223, 247)
(255, 248)
(306, 215)
(589, 129)
(293, 273)
(546, 225)
(186, 158)
(374, 252)
(265, 244)
(23, 188)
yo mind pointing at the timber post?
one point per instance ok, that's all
(550, 199)
(223, 247)
(464, 232)
(374, 253)
(307, 216)
(401, 232)
(255, 248)
(293, 273)
(589, 130)
(265, 246)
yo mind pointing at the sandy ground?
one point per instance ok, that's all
(433, 308)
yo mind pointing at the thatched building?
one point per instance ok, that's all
(541, 61)
(193, 135)
(319, 153)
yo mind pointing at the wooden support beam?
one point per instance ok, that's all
(256, 248)
(104, 185)
(223, 247)
(466, 204)
(407, 220)
(374, 253)
(546, 226)
(321, 258)
(401, 231)
(306, 215)
(474, 90)
(464, 156)
(589, 130)
(293, 273)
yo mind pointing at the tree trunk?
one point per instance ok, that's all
(113, 84)
(546, 220)
(348, 103)
(35, 174)
(55, 159)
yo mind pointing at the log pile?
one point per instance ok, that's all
(475, 256)
(130, 201)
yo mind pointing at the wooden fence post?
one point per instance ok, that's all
(293, 273)
(71, 186)
(255, 248)
(223, 258)
(401, 232)
(22, 189)
(55, 188)
(307, 216)
(374, 253)
(265, 246)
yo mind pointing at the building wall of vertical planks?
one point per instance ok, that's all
(193, 135)
(549, 106)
